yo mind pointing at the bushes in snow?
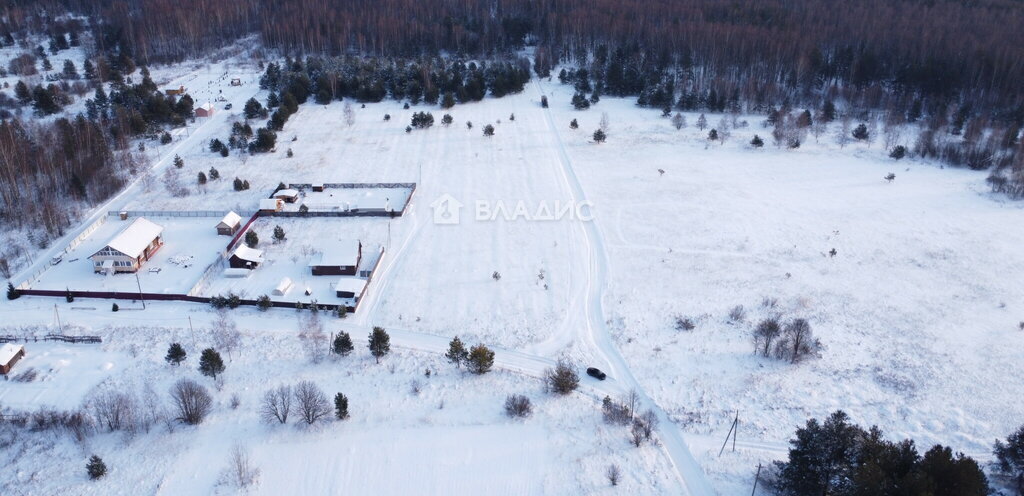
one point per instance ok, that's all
(311, 402)
(1010, 458)
(793, 342)
(240, 471)
(95, 468)
(518, 406)
(192, 401)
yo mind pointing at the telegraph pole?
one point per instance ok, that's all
(140, 290)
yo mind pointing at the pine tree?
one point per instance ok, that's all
(380, 343)
(757, 142)
(252, 109)
(488, 130)
(210, 363)
(457, 353)
(340, 406)
(12, 292)
(447, 119)
(68, 296)
(481, 359)
(165, 138)
(96, 468)
(342, 344)
(804, 120)
(70, 71)
(179, 162)
(713, 135)
(251, 239)
(828, 111)
(201, 178)
(580, 102)
(573, 124)
(22, 92)
(861, 132)
(214, 174)
(447, 101)
(114, 307)
(279, 233)
(175, 354)
(88, 69)
(599, 136)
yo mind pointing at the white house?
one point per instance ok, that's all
(132, 247)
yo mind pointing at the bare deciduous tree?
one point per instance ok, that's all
(241, 472)
(276, 405)
(517, 405)
(192, 401)
(226, 335)
(764, 335)
(311, 402)
(613, 474)
(115, 410)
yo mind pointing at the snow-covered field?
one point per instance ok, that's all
(918, 309)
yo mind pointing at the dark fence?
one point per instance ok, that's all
(120, 295)
(351, 213)
(50, 337)
(339, 213)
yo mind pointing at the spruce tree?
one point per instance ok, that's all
(252, 109)
(96, 468)
(861, 132)
(481, 359)
(757, 142)
(340, 406)
(251, 239)
(713, 135)
(599, 136)
(179, 162)
(12, 292)
(488, 130)
(201, 178)
(573, 124)
(279, 234)
(380, 343)
(210, 363)
(342, 344)
(22, 92)
(457, 353)
(175, 354)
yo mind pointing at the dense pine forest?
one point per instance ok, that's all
(950, 68)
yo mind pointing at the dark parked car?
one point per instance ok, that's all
(596, 373)
(227, 107)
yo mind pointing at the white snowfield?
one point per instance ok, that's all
(917, 309)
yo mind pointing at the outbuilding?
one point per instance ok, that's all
(132, 247)
(9, 355)
(245, 258)
(180, 90)
(283, 287)
(318, 187)
(350, 287)
(288, 195)
(230, 224)
(342, 259)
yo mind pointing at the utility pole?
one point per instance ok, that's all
(140, 290)
(732, 432)
(756, 477)
(57, 315)
(193, 331)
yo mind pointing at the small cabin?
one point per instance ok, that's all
(9, 355)
(236, 82)
(288, 195)
(350, 287)
(271, 205)
(342, 259)
(229, 225)
(318, 187)
(245, 258)
(205, 110)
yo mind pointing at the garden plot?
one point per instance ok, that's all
(346, 199)
(190, 245)
(306, 240)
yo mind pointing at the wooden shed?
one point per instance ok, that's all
(9, 355)
(350, 287)
(180, 90)
(245, 258)
(342, 259)
(230, 224)
(288, 195)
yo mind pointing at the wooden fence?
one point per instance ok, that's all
(50, 337)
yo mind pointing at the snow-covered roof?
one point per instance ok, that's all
(207, 106)
(350, 284)
(236, 272)
(269, 203)
(372, 201)
(230, 220)
(7, 352)
(248, 254)
(134, 239)
(283, 286)
(287, 192)
(342, 253)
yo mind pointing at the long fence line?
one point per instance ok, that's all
(174, 213)
(10, 338)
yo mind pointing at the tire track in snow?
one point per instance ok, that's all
(596, 334)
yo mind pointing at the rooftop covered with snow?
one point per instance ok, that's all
(134, 239)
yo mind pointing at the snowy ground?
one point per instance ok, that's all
(918, 310)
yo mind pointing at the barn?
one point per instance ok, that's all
(341, 260)
(350, 287)
(205, 110)
(132, 247)
(230, 224)
(245, 258)
(9, 355)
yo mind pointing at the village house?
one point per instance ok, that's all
(9, 355)
(342, 260)
(180, 90)
(205, 110)
(245, 258)
(132, 247)
(230, 224)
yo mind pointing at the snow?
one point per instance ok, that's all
(345, 252)
(134, 239)
(918, 310)
(64, 375)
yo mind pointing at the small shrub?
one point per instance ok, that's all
(898, 152)
(488, 130)
(496, 276)
(684, 324)
(613, 474)
(737, 314)
(96, 468)
(562, 379)
(518, 406)
(757, 142)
